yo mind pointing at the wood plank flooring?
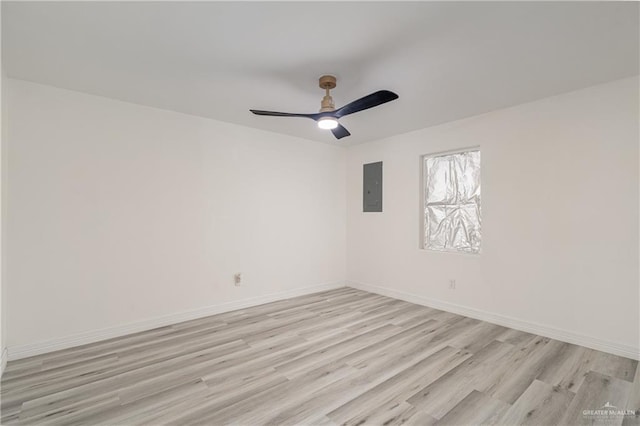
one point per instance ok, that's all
(337, 357)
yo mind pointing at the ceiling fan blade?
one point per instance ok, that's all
(340, 132)
(283, 114)
(378, 98)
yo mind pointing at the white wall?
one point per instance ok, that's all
(3, 128)
(3, 181)
(119, 213)
(3, 185)
(560, 218)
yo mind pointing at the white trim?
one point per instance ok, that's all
(4, 361)
(24, 351)
(530, 327)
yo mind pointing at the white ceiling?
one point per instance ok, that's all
(446, 60)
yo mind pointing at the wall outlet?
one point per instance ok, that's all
(237, 279)
(452, 284)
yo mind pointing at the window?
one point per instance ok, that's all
(452, 220)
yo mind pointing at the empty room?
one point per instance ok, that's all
(320, 213)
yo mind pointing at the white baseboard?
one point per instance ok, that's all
(530, 327)
(24, 351)
(4, 361)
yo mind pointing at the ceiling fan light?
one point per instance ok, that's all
(327, 123)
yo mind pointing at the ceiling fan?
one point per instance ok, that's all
(328, 116)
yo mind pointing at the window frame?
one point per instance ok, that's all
(423, 186)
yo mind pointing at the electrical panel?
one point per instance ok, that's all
(372, 187)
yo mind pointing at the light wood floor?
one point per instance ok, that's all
(338, 357)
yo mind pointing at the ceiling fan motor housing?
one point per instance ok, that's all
(327, 82)
(327, 104)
